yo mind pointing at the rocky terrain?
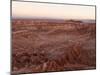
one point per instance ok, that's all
(48, 45)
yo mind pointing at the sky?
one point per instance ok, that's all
(55, 11)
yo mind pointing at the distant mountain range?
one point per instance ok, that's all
(89, 21)
(58, 20)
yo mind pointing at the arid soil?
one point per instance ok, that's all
(45, 45)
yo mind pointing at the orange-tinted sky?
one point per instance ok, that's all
(41, 10)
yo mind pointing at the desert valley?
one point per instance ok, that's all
(46, 45)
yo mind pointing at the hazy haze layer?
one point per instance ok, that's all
(41, 10)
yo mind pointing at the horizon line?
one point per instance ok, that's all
(50, 18)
